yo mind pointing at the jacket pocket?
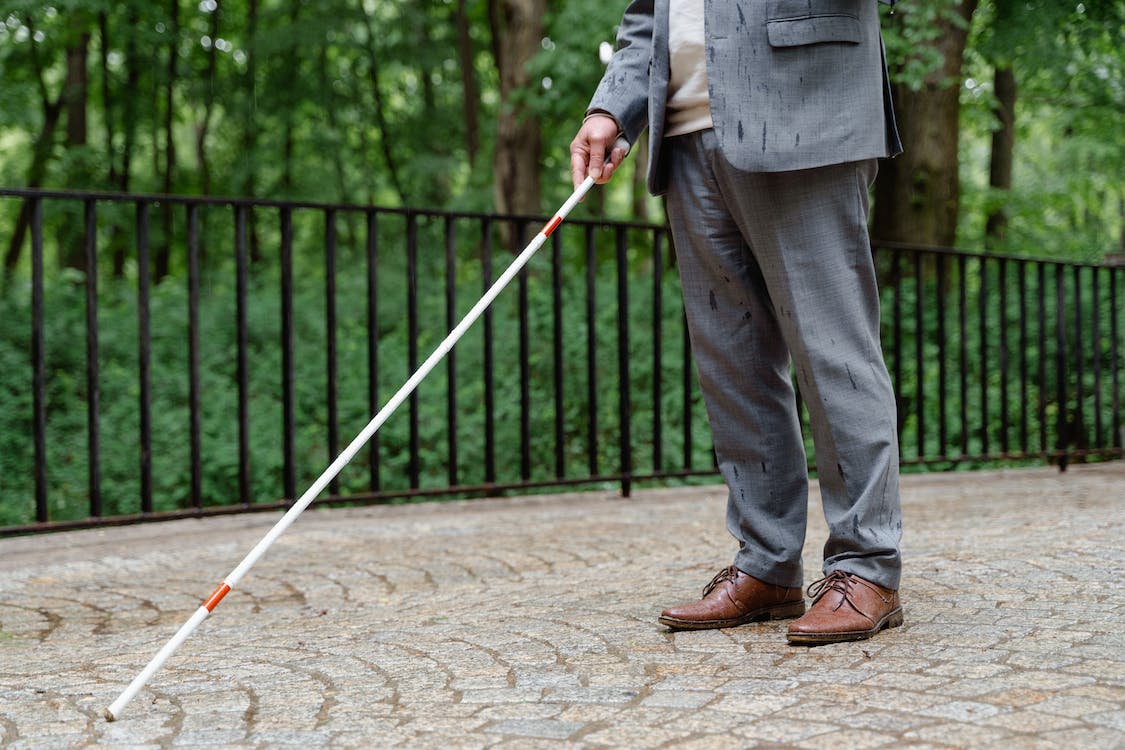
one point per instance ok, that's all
(793, 23)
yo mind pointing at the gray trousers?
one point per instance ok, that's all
(776, 270)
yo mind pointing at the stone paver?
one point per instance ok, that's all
(531, 623)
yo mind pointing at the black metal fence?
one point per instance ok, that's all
(167, 356)
(998, 358)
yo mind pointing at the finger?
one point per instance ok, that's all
(609, 166)
(608, 170)
(577, 166)
(618, 156)
(597, 161)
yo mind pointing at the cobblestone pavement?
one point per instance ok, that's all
(531, 623)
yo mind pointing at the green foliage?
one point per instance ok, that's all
(289, 104)
(1067, 193)
(563, 77)
(913, 54)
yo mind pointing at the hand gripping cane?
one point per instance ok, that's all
(346, 456)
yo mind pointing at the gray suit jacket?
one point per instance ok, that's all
(794, 84)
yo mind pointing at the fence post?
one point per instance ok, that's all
(38, 362)
(288, 397)
(144, 355)
(624, 401)
(243, 337)
(1060, 367)
(194, 420)
(372, 249)
(330, 326)
(93, 393)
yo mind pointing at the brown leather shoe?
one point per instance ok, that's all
(845, 608)
(735, 598)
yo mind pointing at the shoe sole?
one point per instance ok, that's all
(781, 612)
(892, 620)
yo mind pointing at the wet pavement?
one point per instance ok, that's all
(531, 623)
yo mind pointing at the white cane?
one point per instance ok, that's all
(346, 456)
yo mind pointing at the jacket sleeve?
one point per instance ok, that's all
(623, 91)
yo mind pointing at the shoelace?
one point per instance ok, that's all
(726, 574)
(843, 583)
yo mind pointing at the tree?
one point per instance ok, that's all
(516, 34)
(373, 68)
(162, 256)
(208, 82)
(561, 78)
(1003, 148)
(51, 108)
(76, 95)
(917, 195)
(470, 96)
(402, 102)
(1054, 153)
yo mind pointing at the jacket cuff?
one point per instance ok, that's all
(595, 112)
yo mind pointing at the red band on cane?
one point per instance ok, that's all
(217, 596)
(552, 225)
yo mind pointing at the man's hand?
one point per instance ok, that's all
(589, 149)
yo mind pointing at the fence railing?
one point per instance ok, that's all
(1002, 358)
(170, 356)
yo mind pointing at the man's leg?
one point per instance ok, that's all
(808, 232)
(744, 370)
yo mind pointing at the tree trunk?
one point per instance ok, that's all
(169, 98)
(380, 105)
(52, 111)
(343, 194)
(41, 154)
(917, 194)
(1003, 147)
(107, 97)
(517, 28)
(468, 84)
(75, 94)
(423, 64)
(129, 102)
(249, 128)
(249, 133)
(204, 124)
(76, 90)
(287, 148)
(163, 253)
(117, 240)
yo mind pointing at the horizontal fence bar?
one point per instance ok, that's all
(320, 206)
(362, 208)
(586, 366)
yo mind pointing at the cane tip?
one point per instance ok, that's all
(109, 715)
